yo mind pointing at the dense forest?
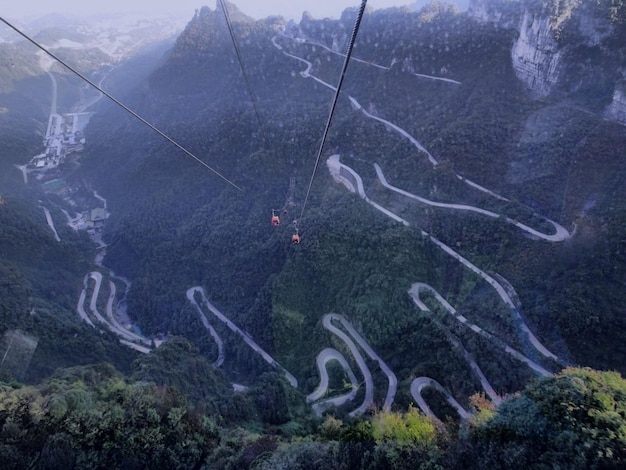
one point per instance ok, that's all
(454, 280)
(92, 417)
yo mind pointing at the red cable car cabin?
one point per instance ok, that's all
(275, 219)
(295, 238)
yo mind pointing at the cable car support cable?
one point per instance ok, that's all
(120, 104)
(239, 58)
(355, 30)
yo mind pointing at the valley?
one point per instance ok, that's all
(352, 180)
(461, 259)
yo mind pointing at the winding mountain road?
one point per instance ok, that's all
(419, 287)
(346, 175)
(561, 233)
(351, 179)
(503, 295)
(80, 307)
(340, 54)
(216, 337)
(349, 337)
(391, 377)
(119, 328)
(51, 223)
(421, 383)
(353, 182)
(414, 293)
(373, 64)
(248, 340)
(368, 400)
(97, 277)
(357, 106)
(338, 325)
(126, 337)
(325, 356)
(390, 125)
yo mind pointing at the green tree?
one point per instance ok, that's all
(412, 428)
(576, 419)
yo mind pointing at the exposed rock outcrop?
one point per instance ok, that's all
(574, 48)
(536, 55)
(616, 111)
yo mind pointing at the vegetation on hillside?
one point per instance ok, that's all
(174, 225)
(91, 417)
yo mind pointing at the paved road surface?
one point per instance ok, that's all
(416, 391)
(325, 356)
(249, 341)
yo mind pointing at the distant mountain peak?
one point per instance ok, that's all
(235, 14)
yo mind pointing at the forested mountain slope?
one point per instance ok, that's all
(43, 261)
(472, 115)
(465, 238)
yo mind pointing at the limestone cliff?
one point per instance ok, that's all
(536, 55)
(616, 111)
(566, 47)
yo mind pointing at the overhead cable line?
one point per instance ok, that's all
(239, 58)
(120, 104)
(355, 30)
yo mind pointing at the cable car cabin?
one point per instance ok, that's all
(275, 219)
(295, 239)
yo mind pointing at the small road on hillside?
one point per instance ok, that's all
(247, 339)
(126, 337)
(54, 120)
(216, 337)
(357, 106)
(414, 293)
(390, 125)
(319, 44)
(352, 180)
(347, 176)
(561, 233)
(368, 400)
(113, 321)
(51, 223)
(391, 377)
(378, 66)
(419, 287)
(355, 342)
(80, 308)
(325, 356)
(421, 383)
(46, 62)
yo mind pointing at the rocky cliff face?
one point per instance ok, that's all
(567, 47)
(536, 56)
(616, 111)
